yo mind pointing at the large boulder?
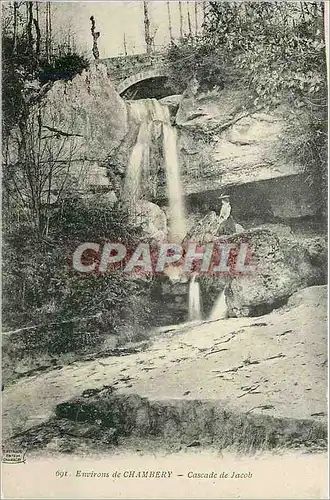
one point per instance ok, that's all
(281, 267)
(317, 249)
(90, 108)
(205, 229)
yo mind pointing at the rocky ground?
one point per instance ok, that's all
(228, 381)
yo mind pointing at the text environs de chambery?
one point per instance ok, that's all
(164, 474)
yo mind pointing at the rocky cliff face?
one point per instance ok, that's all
(224, 142)
(90, 107)
(242, 142)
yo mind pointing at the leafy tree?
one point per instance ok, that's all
(41, 158)
(30, 59)
(64, 67)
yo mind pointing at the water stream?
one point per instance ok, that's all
(194, 300)
(177, 222)
(147, 112)
(219, 310)
(140, 152)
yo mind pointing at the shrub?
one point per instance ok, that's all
(40, 287)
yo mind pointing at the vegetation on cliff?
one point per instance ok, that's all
(43, 219)
(32, 56)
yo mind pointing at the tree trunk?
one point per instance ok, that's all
(147, 36)
(181, 19)
(95, 35)
(38, 34)
(189, 20)
(15, 28)
(47, 35)
(50, 31)
(326, 32)
(196, 18)
(169, 21)
(29, 30)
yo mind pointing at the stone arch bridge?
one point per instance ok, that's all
(131, 73)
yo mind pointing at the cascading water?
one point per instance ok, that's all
(147, 112)
(194, 300)
(220, 308)
(132, 185)
(178, 224)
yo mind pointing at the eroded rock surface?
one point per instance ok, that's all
(89, 106)
(151, 218)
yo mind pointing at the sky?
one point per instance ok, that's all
(118, 19)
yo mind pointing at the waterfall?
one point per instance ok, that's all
(194, 300)
(146, 112)
(149, 110)
(177, 223)
(219, 310)
(132, 185)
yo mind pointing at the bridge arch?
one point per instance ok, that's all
(149, 74)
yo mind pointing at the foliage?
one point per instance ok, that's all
(12, 86)
(78, 220)
(43, 219)
(40, 287)
(305, 143)
(64, 67)
(275, 47)
(195, 60)
(39, 168)
(38, 159)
